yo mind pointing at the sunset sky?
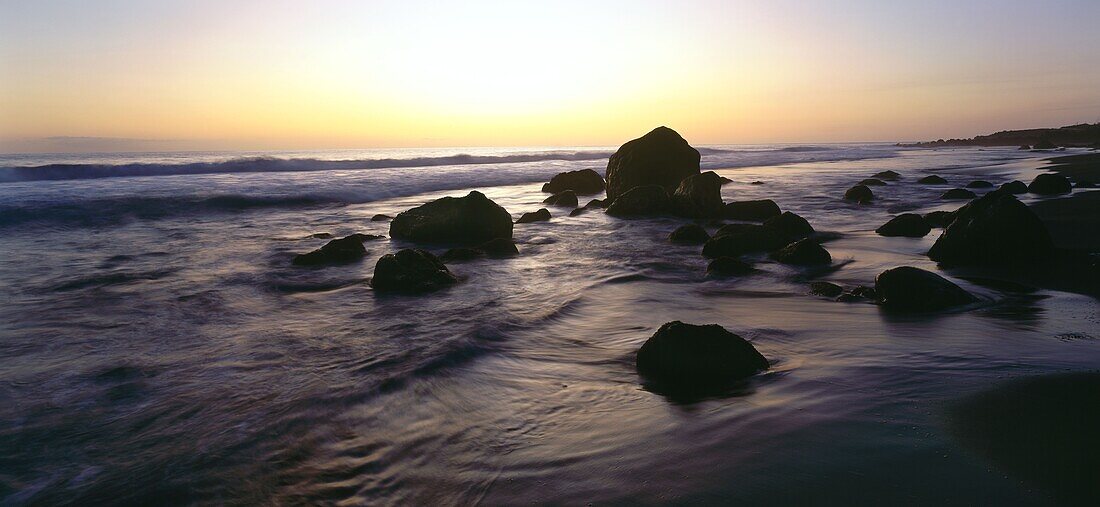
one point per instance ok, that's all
(356, 74)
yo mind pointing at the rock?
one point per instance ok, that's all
(380, 218)
(582, 182)
(564, 198)
(1024, 147)
(469, 220)
(860, 194)
(996, 229)
(365, 237)
(939, 219)
(661, 158)
(699, 196)
(686, 356)
(827, 289)
(790, 225)
(958, 193)
(887, 175)
(872, 182)
(751, 211)
(910, 225)
(641, 201)
(321, 235)
(1045, 144)
(911, 289)
(725, 180)
(1050, 184)
(755, 238)
(1014, 187)
(728, 229)
(728, 266)
(757, 183)
(1085, 184)
(337, 251)
(979, 184)
(499, 247)
(804, 252)
(690, 234)
(596, 203)
(410, 270)
(541, 215)
(932, 180)
(461, 253)
(577, 211)
(864, 292)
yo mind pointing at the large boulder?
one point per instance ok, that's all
(660, 157)
(337, 251)
(466, 220)
(996, 229)
(563, 198)
(932, 180)
(910, 225)
(541, 215)
(1050, 184)
(912, 289)
(790, 225)
(806, 252)
(958, 194)
(751, 211)
(582, 182)
(410, 270)
(859, 193)
(687, 356)
(690, 234)
(699, 196)
(755, 238)
(1014, 187)
(641, 201)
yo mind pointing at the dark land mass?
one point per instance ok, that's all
(1072, 136)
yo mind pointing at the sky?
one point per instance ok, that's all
(137, 75)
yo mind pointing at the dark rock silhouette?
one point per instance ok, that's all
(932, 180)
(686, 356)
(1045, 144)
(728, 266)
(995, 229)
(859, 293)
(757, 183)
(979, 184)
(468, 220)
(699, 196)
(912, 289)
(1014, 187)
(910, 225)
(1085, 184)
(365, 237)
(641, 201)
(690, 234)
(790, 225)
(564, 198)
(462, 253)
(751, 211)
(804, 252)
(541, 215)
(496, 248)
(957, 194)
(582, 182)
(725, 180)
(748, 238)
(1024, 147)
(1050, 184)
(660, 157)
(860, 194)
(1042, 138)
(596, 203)
(939, 219)
(337, 251)
(872, 182)
(380, 218)
(887, 175)
(410, 270)
(827, 289)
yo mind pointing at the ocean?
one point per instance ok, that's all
(158, 347)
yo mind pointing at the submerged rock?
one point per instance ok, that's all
(725, 180)
(887, 175)
(757, 183)
(932, 180)
(912, 289)
(472, 219)
(872, 182)
(411, 270)
(1085, 184)
(733, 240)
(751, 211)
(641, 201)
(697, 357)
(979, 184)
(699, 196)
(690, 234)
(957, 194)
(582, 182)
(380, 218)
(827, 289)
(462, 253)
(541, 215)
(661, 158)
(499, 247)
(1024, 147)
(337, 251)
(939, 219)
(804, 252)
(1014, 187)
(564, 198)
(910, 225)
(860, 194)
(1050, 184)
(996, 229)
(728, 266)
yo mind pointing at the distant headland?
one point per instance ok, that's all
(1073, 136)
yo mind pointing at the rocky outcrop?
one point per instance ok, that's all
(806, 252)
(541, 215)
(996, 229)
(699, 196)
(1045, 144)
(910, 225)
(468, 220)
(860, 194)
(691, 357)
(1050, 184)
(912, 289)
(690, 234)
(957, 194)
(751, 211)
(932, 180)
(641, 201)
(337, 251)
(564, 198)
(410, 271)
(582, 182)
(661, 158)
